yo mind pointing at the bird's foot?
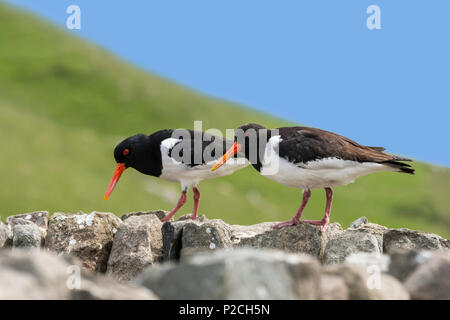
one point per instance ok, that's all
(324, 223)
(291, 222)
(166, 218)
(189, 216)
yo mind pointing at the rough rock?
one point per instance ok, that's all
(185, 237)
(159, 213)
(359, 222)
(172, 233)
(40, 218)
(411, 239)
(36, 274)
(86, 236)
(236, 274)
(347, 242)
(204, 236)
(366, 260)
(368, 283)
(6, 236)
(137, 244)
(391, 289)
(247, 233)
(403, 262)
(221, 261)
(445, 243)
(431, 279)
(333, 288)
(26, 234)
(301, 238)
(371, 228)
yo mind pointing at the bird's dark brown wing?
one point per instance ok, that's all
(303, 144)
(197, 148)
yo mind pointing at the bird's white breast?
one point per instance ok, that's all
(327, 172)
(173, 170)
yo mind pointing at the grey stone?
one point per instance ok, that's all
(40, 218)
(204, 236)
(411, 239)
(373, 229)
(350, 241)
(6, 236)
(301, 238)
(431, 279)
(159, 213)
(186, 236)
(368, 283)
(184, 217)
(403, 262)
(86, 236)
(137, 244)
(26, 234)
(333, 288)
(35, 274)
(248, 233)
(372, 259)
(172, 234)
(189, 236)
(391, 289)
(236, 274)
(358, 222)
(172, 240)
(445, 243)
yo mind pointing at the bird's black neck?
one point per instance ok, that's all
(262, 138)
(149, 162)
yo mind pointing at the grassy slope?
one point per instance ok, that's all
(64, 104)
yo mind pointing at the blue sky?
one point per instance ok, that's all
(313, 62)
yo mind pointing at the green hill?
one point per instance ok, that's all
(65, 103)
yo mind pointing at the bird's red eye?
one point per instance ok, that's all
(126, 152)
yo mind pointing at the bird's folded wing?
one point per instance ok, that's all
(301, 145)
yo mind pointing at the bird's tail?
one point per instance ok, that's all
(400, 166)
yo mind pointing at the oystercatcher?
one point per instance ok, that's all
(309, 158)
(180, 155)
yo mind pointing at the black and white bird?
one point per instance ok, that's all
(183, 156)
(309, 158)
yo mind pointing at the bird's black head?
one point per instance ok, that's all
(251, 137)
(132, 151)
(246, 127)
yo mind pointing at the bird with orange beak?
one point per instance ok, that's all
(183, 156)
(309, 158)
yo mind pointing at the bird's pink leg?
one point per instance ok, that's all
(180, 203)
(326, 218)
(296, 219)
(196, 202)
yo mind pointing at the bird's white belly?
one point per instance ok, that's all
(321, 173)
(191, 176)
(188, 176)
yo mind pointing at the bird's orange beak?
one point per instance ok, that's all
(230, 153)
(119, 170)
